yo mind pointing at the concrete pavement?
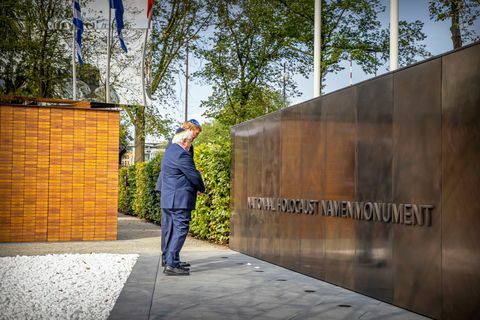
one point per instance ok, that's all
(223, 284)
(229, 285)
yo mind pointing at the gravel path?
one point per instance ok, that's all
(67, 286)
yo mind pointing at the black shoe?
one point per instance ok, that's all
(171, 271)
(181, 263)
(179, 267)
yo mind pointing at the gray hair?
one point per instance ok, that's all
(182, 136)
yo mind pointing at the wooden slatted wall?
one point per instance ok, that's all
(58, 174)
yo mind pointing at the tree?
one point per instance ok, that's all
(351, 29)
(463, 14)
(254, 38)
(125, 138)
(146, 119)
(245, 59)
(174, 22)
(34, 59)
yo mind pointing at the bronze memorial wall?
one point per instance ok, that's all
(374, 187)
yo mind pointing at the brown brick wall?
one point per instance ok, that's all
(58, 174)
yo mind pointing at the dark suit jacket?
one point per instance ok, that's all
(158, 184)
(179, 179)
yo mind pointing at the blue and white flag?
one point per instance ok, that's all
(118, 6)
(78, 25)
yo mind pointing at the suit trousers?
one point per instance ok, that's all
(167, 228)
(180, 225)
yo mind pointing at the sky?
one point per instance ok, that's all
(437, 42)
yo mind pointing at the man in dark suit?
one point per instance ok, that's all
(180, 183)
(166, 223)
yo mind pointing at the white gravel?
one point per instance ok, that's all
(63, 286)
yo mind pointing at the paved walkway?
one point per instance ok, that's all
(229, 285)
(223, 284)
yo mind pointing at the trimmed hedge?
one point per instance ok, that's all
(210, 219)
(136, 192)
(126, 189)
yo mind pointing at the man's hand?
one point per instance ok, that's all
(200, 193)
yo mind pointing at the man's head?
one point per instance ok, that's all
(193, 126)
(184, 139)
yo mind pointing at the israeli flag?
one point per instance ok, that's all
(118, 6)
(78, 24)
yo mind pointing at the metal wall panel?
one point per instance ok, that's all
(373, 267)
(269, 246)
(239, 213)
(461, 184)
(339, 116)
(255, 184)
(238, 186)
(313, 141)
(408, 137)
(416, 179)
(290, 182)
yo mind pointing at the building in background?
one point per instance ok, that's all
(151, 150)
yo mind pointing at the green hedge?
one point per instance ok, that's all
(210, 219)
(126, 189)
(137, 196)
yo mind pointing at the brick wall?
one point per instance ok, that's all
(58, 174)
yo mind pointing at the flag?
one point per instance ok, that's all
(78, 25)
(149, 7)
(118, 6)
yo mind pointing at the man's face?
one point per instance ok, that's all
(195, 134)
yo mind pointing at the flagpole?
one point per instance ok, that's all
(317, 50)
(393, 35)
(107, 81)
(74, 67)
(186, 80)
(143, 60)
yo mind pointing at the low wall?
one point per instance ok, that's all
(58, 173)
(374, 187)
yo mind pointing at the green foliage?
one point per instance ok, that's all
(211, 218)
(126, 189)
(123, 205)
(214, 132)
(124, 136)
(152, 198)
(34, 51)
(463, 15)
(140, 198)
(137, 195)
(174, 22)
(244, 64)
(255, 39)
